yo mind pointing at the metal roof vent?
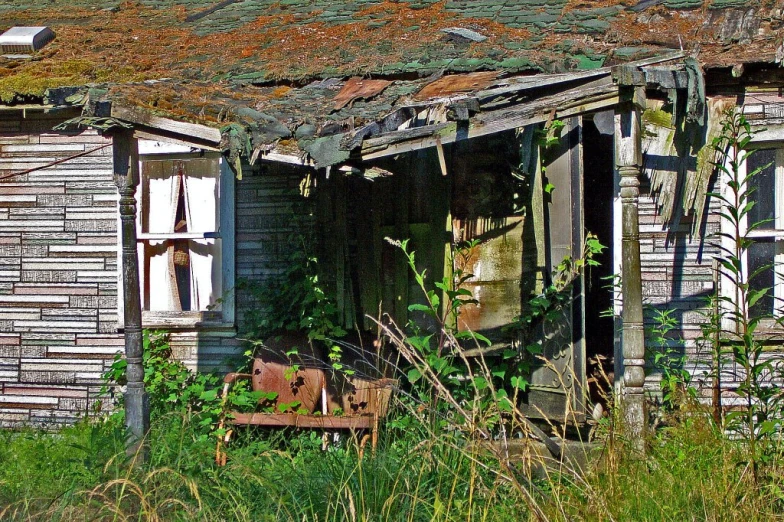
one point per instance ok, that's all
(25, 39)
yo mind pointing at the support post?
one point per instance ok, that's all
(628, 158)
(137, 404)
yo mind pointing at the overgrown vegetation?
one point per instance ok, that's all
(449, 450)
(175, 390)
(667, 357)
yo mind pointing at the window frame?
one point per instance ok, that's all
(762, 140)
(225, 317)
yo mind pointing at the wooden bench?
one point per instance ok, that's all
(326, 403)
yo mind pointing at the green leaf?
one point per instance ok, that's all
(756, 296)
(413, 375)
(498, 373)
(481, 338)
(505, 405)
(534, 349)
(208, 395)
(519, 383)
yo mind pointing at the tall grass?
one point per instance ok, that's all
(692, 472)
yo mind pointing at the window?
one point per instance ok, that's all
(185, 237)
(765, 257)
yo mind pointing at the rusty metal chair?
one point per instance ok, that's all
(343, 403)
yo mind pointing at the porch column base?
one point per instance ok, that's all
(137, 420)
(635, 416)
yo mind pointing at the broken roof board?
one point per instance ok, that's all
(498, 110)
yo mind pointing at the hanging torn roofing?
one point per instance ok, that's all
(325, 78)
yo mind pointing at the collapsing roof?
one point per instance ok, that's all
(332, 121)
(331, 79)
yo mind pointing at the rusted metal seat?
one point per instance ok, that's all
(308, 399)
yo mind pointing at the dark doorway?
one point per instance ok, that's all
(598, 206)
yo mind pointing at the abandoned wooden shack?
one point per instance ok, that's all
(210, 138)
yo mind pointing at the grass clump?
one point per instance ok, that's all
(691, 472)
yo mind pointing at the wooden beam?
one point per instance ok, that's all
(168, 138)
(773, 130)
(566, 104)
(401, 184)
(667, 57)
(27, 107)
(495, 97)
(181, 128)
(551, 84)
(291, 159)
(666, 77)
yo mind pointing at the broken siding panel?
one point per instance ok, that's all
(679, 159)
(58, 252)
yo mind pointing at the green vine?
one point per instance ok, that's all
(296, 302)
(172, 387)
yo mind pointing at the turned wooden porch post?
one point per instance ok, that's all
(137, 405)
(628, 160)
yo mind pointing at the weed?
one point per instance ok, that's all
(759, 421)
(667, 356)
(172, 387)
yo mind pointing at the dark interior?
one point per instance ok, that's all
(598, 204)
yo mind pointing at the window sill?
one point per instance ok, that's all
(768, 332)
(185, 320)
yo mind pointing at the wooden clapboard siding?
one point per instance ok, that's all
(271, 217)
(58, 271)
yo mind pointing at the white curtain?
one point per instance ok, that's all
(201, 211)
(163, 187)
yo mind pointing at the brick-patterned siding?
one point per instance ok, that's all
(677, 274)
(59, 277)
(58, 270)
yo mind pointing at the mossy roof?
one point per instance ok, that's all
(198, 60)
(299, 40)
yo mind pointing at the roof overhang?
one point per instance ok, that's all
(499, 106)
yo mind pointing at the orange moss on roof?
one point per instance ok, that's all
(575, 5)
(202, 102)
(692, 31)
(139, 43)
(344, 48)
(661, 26)
(93, 46)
